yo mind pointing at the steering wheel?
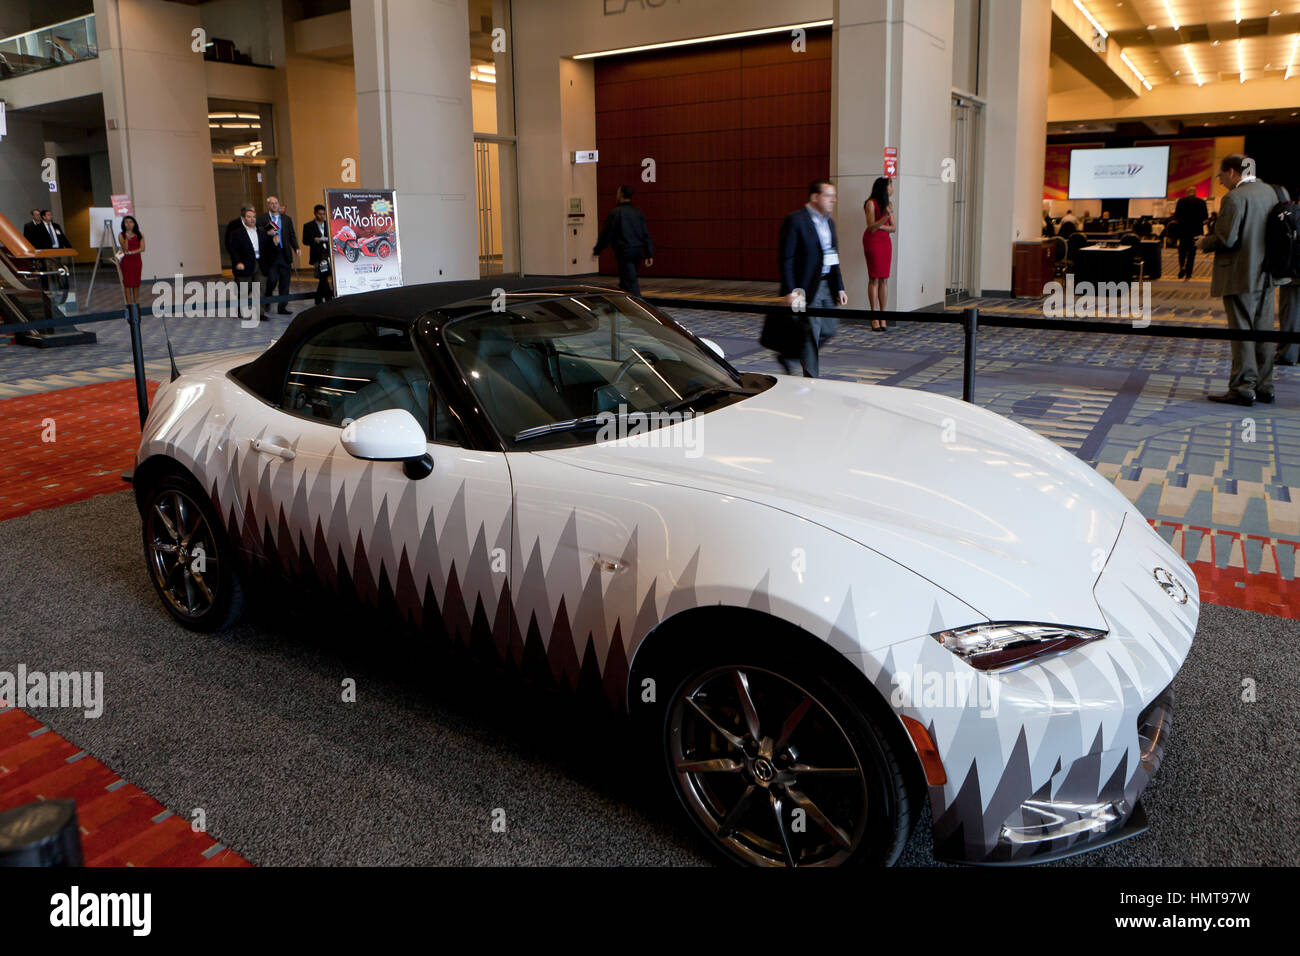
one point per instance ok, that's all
(648, 357)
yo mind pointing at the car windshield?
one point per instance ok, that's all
(547, 371)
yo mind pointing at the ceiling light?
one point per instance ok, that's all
(1215, 43)
(1192, 66)
(711, 39)
(1136, 72)
(1091, 19)
(1236, 6)
(1291, 60)
(1172, 19)
(1241, 65)
(1151, 26)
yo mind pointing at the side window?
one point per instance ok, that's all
(355, 368)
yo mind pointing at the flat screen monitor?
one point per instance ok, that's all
(1134, 172)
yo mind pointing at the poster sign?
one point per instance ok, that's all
(891, 162)
(363, 239)
(121, 204)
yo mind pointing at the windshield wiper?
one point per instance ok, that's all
(572, 424)
(704, 393)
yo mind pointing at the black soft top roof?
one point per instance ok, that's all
(265, 374)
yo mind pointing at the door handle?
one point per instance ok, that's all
(270, 448)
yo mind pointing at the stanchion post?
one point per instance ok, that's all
(137, 357)
(970, 323)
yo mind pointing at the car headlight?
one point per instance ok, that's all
(999, 646)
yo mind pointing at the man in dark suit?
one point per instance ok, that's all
(1240, 277)
(54, 237)
(809, 260)
(1191, 213)
(281, 248)
(625, 230)
(316, 237)
(34, 232)
(245, 244)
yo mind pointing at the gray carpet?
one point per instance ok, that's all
(250, 727)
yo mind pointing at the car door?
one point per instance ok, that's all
(435, 548)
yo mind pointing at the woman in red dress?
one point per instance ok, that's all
(877, 246)
(130, 244)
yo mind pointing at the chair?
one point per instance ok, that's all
(1060, 255)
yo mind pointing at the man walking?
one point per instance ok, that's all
(34, 232)
(316, 237)
(281, 247)
(1239, 276)
(246, 244)
(809, 260)
(1191, 213)
(626, 231)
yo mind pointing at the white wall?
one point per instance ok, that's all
(160, 153)
(21, 153)
(893, 71)
(1014, 78)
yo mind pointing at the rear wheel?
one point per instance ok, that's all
(775, 765)
(384, 249)
(190, 560)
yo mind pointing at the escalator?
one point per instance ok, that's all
(33, 290)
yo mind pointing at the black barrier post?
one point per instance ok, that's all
(137, 357)
(970, 322)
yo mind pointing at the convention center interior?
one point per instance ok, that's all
(392, 468)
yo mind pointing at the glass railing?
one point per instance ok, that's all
(68, 42)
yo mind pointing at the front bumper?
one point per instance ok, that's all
(1050, 760)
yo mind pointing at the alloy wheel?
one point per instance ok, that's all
(766, 770)
(183, 555)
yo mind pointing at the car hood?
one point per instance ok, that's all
(1000, 517)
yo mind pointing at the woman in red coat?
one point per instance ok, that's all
(130, 244)
(877, 246)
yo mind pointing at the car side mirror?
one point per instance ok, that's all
(715, 346)
(390, 435)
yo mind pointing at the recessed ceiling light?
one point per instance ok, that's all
(1215, 43)
(1151, 26)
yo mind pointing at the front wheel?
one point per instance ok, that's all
(776, 766)
(384, 249)
(191, 562)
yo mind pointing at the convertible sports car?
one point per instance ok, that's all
(815, 599)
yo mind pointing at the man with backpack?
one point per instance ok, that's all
(1239, 275)
(1282, 260)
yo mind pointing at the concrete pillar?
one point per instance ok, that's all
(159, 150)
(892, 87)
(1014, 79)
(415, 127)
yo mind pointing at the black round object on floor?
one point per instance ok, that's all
(44, 833)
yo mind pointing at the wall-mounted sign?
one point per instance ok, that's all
(575, 206)
(586, 156)
(891, 161)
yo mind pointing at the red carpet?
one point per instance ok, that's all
(121, 825)
(95, 428)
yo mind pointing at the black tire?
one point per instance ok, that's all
(871, 809)
(203, 592)
(351, 253)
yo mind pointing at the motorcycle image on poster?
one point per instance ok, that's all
(363, 239)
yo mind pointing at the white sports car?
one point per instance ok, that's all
(816, 599)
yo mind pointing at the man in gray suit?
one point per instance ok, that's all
(1239, 276)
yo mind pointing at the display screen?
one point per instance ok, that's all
(1137, 172)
